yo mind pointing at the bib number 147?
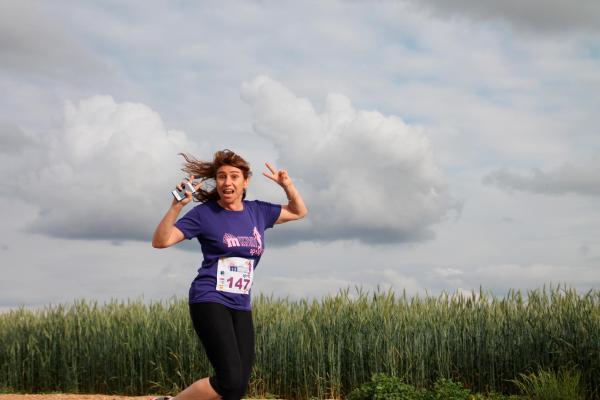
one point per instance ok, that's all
(234, 275)
(241, 283)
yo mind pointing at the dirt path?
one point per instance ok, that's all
(69, 397)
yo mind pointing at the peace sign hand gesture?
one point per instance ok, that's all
(280, 177)
(295, 209)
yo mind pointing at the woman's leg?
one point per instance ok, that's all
(244, 332)
(199, 390)
(214, 324)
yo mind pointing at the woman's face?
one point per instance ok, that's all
(230, 184)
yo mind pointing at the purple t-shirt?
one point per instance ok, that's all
(225, 233)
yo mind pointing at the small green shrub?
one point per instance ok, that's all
(548, 385)
(383, 387)
(447, 389)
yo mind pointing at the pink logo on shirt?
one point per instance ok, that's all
(254, 241)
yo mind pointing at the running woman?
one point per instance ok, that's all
(230, 231)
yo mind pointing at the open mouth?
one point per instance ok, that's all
(228, 191)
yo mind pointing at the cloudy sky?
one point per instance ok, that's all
(440, 146)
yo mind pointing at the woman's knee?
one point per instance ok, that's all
(229, 386)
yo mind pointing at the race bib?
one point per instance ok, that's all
(234, 275)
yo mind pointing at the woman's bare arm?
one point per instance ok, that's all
(166, 233)
(295, 209)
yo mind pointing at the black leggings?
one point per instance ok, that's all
(228, 339)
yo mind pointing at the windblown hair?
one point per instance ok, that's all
(206, 172)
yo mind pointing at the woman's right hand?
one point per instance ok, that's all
(166, 233)
(188, 195)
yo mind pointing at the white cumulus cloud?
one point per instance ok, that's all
(364, 175)
(106, 173)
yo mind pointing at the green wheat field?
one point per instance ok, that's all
(308, 349)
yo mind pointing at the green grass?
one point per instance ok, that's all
(309, 349)
(549, 385)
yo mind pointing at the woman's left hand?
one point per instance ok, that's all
(295, 209)
(280, 176)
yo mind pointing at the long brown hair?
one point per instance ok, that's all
(206, 171)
